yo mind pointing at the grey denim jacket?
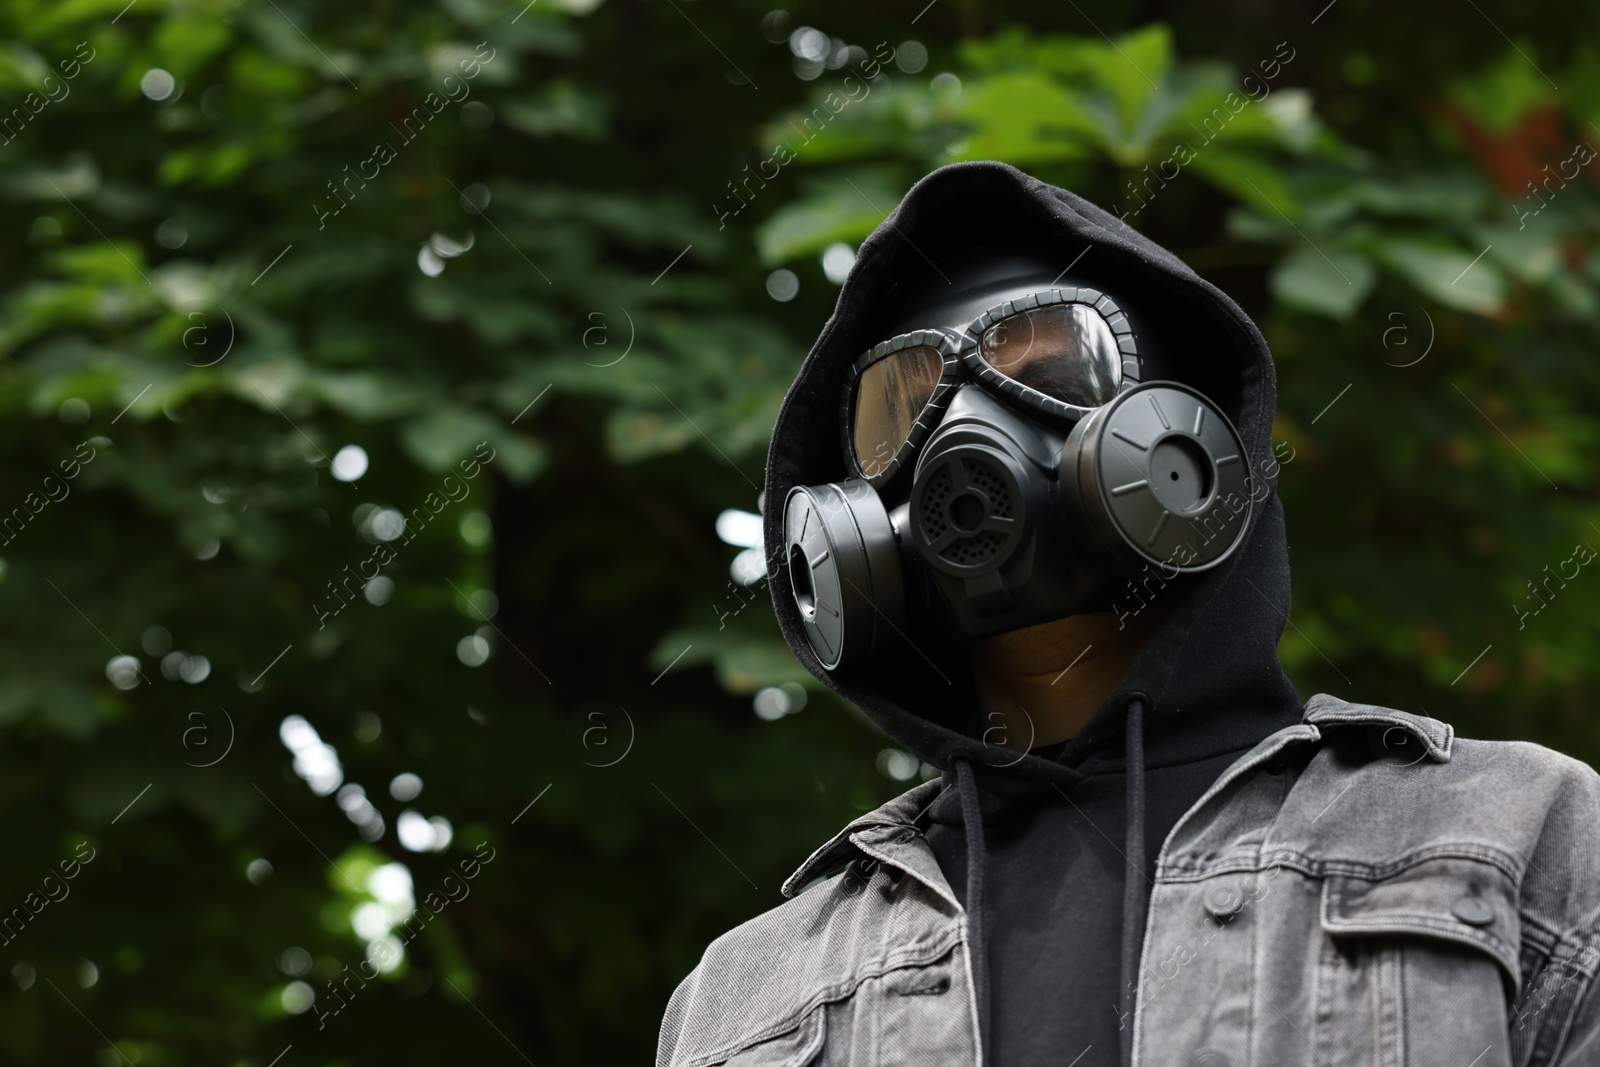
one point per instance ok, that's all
(1434, 906)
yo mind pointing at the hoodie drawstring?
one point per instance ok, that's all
(977, 860)
(1135, 893)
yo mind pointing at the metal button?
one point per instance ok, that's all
(1223, 902)
(1208, 1057)
(1474, 911)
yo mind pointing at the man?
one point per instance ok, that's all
(1023, 489)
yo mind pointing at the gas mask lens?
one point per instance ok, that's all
(1065, 351)
(890, 394)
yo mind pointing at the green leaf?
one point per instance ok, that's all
(519, 457)
(1025, 118)
(562, 108)
(843, 208)
(1249, 178)
(365, 395)
(76, 179)
(442, 437)
(185, 43)
(1457, 279)
(633, 435)
(1501, 94)
(1331, 284)
(1134, 66)
(22, 70)
(1531, 253)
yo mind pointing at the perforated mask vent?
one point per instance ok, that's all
(933, 501)
(957, 523)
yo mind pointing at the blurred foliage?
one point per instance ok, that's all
(503, 267)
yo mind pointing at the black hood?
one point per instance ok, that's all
(1209, 674)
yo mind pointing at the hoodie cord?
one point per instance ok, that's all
(1134, 891)
(977, 861)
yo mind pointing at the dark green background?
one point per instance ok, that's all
(1374, 207)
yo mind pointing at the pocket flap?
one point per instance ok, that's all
(1468, 901)
(793, 1048)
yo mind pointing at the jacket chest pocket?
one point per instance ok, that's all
(798, 1047)
(1418, 969)
(910, 1015)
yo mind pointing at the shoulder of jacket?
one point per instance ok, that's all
(767, 975)
(1530, 758)
(764, 939)
(757, 979)
(1378, 802)
(1441, 744)
(838, 850)
(1391, 725)
(741, 976)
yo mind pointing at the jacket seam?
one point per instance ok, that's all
(941, 891)
(1293, 859)
(842, 843)
(1263, 752)
(1539, 933)
(1439, 748)
(1411, 922)
(917, 954)
(1580, 965)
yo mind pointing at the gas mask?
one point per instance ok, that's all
(1009, 472)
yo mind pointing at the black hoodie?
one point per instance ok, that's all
(1208, 680)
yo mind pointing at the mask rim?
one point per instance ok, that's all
(962, 354)
(948, 344)
(998, 384)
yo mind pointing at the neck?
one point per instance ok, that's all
(1042, 684)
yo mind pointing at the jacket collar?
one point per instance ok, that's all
(885, 826)
(1437, 738)
(901, 813)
